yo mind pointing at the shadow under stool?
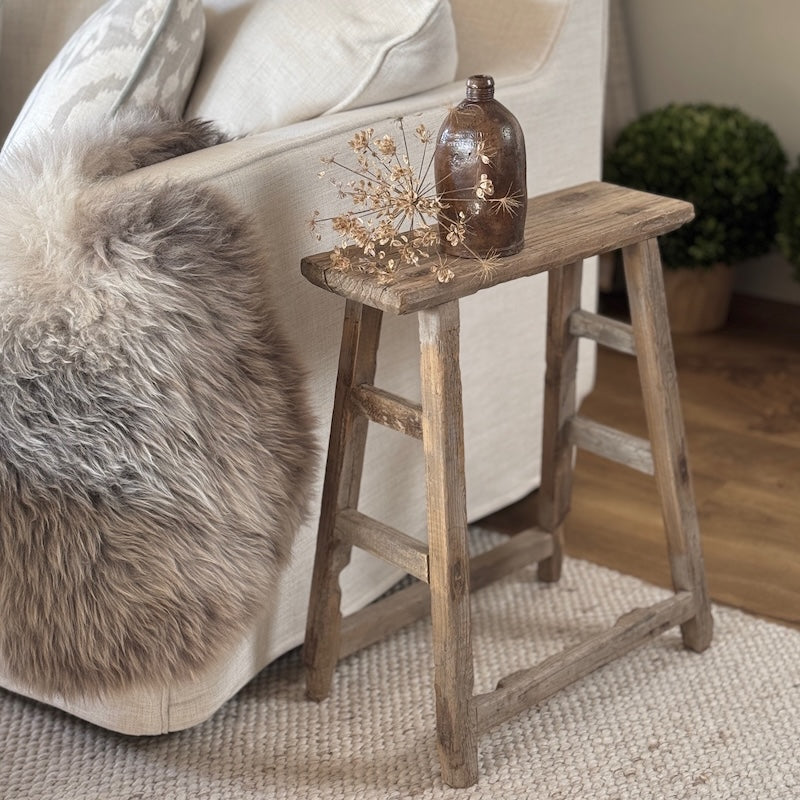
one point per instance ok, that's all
(562, 229)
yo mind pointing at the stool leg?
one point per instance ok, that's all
(443, 442)
(563, 297)
(357, 361)
(657, 373)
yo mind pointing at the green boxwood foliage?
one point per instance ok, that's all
(789, 219)
(727, 164)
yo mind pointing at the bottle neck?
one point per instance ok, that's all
(480, 87)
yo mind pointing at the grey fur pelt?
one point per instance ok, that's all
(155, 437)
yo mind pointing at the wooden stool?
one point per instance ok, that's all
(562, 229)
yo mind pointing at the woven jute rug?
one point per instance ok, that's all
(660, 723)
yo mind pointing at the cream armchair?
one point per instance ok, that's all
(548, 61)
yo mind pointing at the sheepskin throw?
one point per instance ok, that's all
(155, 437)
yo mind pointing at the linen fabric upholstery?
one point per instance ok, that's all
(273, 62)
(128, 54)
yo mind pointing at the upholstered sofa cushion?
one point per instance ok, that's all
(270, 63)
(129, 53)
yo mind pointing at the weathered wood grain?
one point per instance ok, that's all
(345, 460)
(388, 409)
(603, 330)
(527, 687)
(658, 376)
(401, 608)
(384, 542)
(632, 451)
(562, 227)
(446, 496)
(564, 297)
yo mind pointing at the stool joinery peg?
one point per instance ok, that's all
(562, 229)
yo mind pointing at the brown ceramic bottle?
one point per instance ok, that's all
(480, 173)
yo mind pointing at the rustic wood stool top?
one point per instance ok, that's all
(562, 227)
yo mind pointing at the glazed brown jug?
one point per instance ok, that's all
(479, 166)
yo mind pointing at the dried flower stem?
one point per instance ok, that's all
(388, 197)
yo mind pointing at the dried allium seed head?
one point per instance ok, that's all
(360, 141)
(385, 145)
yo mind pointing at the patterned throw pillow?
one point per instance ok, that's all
(128, 54)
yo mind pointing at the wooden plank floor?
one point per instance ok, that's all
(740, 390)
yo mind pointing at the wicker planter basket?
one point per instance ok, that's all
(698, 299)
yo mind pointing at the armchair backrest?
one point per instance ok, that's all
(511, 42)
(511, 38)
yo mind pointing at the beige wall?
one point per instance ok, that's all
(738, 52)
(744, 53)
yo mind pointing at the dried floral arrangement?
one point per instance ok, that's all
(397, 216)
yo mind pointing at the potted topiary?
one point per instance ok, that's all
(730, 166)
(789, 219)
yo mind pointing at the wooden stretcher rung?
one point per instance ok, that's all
(395, 611)
(605, 331)
(526, 547)
(383, 541)
(387, 409)
(632, 451)
(525, 688)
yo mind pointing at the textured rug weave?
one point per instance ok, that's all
(660, 723)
